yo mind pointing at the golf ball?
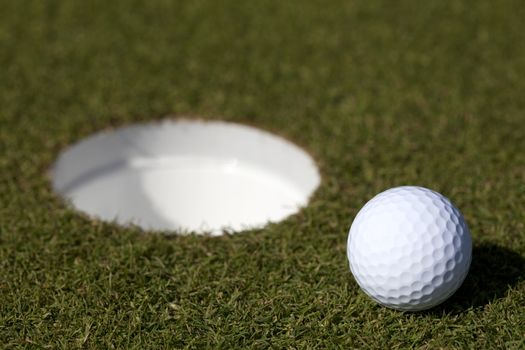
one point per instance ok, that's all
(409, 248)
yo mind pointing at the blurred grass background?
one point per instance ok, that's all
(381, 94)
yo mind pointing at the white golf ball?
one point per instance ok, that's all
(409, 248)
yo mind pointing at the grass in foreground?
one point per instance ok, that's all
(381, 95)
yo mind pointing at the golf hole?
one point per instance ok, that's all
(186, 176)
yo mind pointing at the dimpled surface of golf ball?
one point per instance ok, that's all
(409, 248)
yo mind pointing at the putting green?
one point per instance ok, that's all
(379, 94)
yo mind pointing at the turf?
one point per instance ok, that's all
(380, 93)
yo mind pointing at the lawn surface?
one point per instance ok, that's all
(381, 95)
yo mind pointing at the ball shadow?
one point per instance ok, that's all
(494, 269)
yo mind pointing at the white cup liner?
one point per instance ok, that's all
(186, 176)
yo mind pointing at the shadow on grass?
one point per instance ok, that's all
(494, 269)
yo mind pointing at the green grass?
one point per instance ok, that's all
(380, 93)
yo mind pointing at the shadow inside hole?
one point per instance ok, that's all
(494, 269)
